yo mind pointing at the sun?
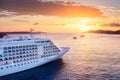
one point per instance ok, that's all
(84, 27)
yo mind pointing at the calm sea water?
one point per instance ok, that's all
(93, 57)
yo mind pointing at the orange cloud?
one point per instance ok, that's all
(112, 25)
(35, 7)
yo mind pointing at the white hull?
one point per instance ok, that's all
(21, 66)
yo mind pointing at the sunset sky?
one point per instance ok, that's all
(62, 16)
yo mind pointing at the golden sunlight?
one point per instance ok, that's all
(84, 27)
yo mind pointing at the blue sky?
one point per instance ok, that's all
(108, 3)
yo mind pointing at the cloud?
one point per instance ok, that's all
(112, 25)
(51, 8)
(21, 20)
(35, 23)
(56, 24)
(110, 11)
(4, 13)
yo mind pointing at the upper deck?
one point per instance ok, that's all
(23, 40)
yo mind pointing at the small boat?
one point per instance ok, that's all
(74, 37)
(82, 35)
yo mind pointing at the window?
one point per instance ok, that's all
(17, 53)
(0, 55)
(13, 53)
(20, 46)
(13, 57)
(6, 58)
(13, 47)
(5, 48)
(5, 55)
(9, 47)
(26, 45)
(5, 51)
(1, 60)
(30, 54)
(29, 45)
(24, 56)
(13, 50)
(1, 68)
(17, 60)
(9, 50)
(17, 57)
(10, 54)
(24, 59)
(20, 52)
(14, 61)
(20, 56)
(23, 46)
(10, 58)
(16, 47)
(7, 67)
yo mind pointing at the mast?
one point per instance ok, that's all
(31, 34)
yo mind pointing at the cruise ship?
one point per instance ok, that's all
(25, 53)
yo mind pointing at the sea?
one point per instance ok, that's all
(91, 57)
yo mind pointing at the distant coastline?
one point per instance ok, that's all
(90, 31)
(20, 32)
(104, 31)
